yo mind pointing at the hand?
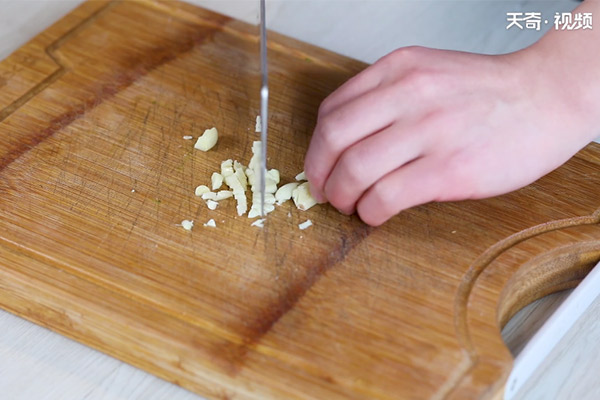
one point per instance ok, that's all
(425, 125)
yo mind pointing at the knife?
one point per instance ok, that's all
(264, 101)
(547, 339)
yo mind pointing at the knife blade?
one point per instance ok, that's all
(264, 101)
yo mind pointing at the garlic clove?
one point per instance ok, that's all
(209, 196)
(200, 190)
(284, 193)
(208, 140)
(216, 180)
(302, 197)
(211, 204)
(223, 194)
(305, 224)
(187, 224)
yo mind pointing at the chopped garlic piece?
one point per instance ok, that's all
(256, 195)
(187, 137)
(238, 193)
(208, 140)
(216, 180)
(254, 212)
(255, 209)
(305, 224)
(211, 223)
(268, 207)
(209, 196)
(200, 190)
(301, 176)
(223, 194)
(242, 207)
(284, 193)
(302, 197)
(211, 204)
(240, 174)
(258, 126)
(227, 168)
(269, 198)
(259, 223)
(270, 187)
(273, 175)
(234, 183)
(253, 173)
(187, 224)
(256, 154)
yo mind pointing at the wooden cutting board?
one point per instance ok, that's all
(95, 177)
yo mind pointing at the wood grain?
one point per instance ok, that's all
(98, 106)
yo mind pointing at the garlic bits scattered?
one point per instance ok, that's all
(234, 179)
(301, 194)
(271, 181)
(208, 140)
(306, 224)
(187, 224)
(258, 126)
(284, 193)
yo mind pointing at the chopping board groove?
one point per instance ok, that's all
(95, 177)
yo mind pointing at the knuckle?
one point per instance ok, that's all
(458, 182)
(325, 106)
(333, 197)
(363, 213)
(328, 131)
(422, 83)
(368, 215)
(314, 175)
(351, 169)
(365, 216)
(311, 172)
(403, 54)
(382, 200)
(337, 195)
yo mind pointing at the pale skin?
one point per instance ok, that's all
(423, 125)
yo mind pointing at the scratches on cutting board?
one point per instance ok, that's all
(232, 356)
(106, 88)
(62, 68)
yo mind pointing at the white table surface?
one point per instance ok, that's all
(36, 363)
